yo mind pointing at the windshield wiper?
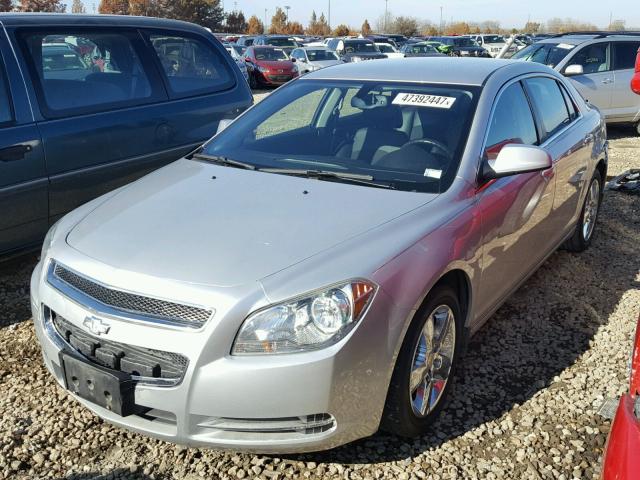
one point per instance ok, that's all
(223, 161)
(328, 174)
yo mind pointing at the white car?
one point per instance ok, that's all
(236, 53)
(389, 50)
(491, 42)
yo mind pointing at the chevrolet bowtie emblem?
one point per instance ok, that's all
(96, 326)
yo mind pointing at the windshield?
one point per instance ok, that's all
(406, 136)
(282, 42)
(360, 47)
(546, 53)
(464, 42)
(493, 39)
(419, 48)
(61, 58)
(270, 54)
(321, 55)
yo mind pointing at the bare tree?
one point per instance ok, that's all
(78, 7)
(407, 26)
(42, 6)
(617, 25)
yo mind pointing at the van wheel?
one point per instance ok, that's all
(638, 128)
(423, 373)
(252, 82)
(585, 228)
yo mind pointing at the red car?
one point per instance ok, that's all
(621, 459)
(269, 66)
(635, 81)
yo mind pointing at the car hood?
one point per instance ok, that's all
(285, 65)
(206, 224)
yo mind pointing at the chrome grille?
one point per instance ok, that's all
(172, 313)
(148, 364)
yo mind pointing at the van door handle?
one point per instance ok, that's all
(14, 152)
(607, 81)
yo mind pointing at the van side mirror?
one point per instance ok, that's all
(573, 70)
(515, 159)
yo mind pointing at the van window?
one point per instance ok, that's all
(86, 72)
(6, 114)
(512, 122)
(191, 65)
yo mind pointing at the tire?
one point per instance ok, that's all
(583, 234)
(638, 128)
(252, 82)
(401, 414)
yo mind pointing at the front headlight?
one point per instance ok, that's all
(263, 69)
(314, 321)
(48, 240)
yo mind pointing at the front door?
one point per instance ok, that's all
(596, 84)
(514, 210)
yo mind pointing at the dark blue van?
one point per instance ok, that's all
(91, 102)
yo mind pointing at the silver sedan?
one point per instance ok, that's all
(313, 273)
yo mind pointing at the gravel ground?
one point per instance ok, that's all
(525, 403)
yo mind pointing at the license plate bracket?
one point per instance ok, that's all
(107, 388)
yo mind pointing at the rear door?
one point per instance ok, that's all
(596, 84)
(625, 104)
(23, 179)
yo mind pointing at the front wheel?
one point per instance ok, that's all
(422, 376)
(253, 84)
(583, 234)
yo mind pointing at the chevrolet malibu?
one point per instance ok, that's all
(313, 273)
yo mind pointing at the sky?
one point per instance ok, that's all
(510, 13)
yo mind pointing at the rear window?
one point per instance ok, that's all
(5, 100)
(191, 66)
(86, 71)
(624, 55)
(281, 42)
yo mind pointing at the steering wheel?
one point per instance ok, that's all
(429, 141)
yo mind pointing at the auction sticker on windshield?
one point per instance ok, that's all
(418, 100)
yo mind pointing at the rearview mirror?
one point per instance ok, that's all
(514, 159)
(572, 70)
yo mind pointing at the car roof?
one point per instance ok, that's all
(445, 70)
(578, 39)
(22, 19)
(319, 47)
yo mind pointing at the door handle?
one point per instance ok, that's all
(14, 152)
(588, 139)
(607, 81)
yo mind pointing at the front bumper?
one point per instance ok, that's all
(280, 404)
(621, 460)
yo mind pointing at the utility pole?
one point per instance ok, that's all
(287, 7)
(329, 18)
(610, 20)
(386, 15)
(441, 28)
(265, 20)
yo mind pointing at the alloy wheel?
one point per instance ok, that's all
(432, 360)
(591, 209)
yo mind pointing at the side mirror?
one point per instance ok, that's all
(247, 59)
(514, 159)
(573, 70)
(222, 124)
(293, 59)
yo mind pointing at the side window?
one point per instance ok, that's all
(86, 72)
(624, 55)
(6, 115)
(593, 58)
(191, 66)
(549, 104)
(512, 122)
(571, 106)
(292, 117)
